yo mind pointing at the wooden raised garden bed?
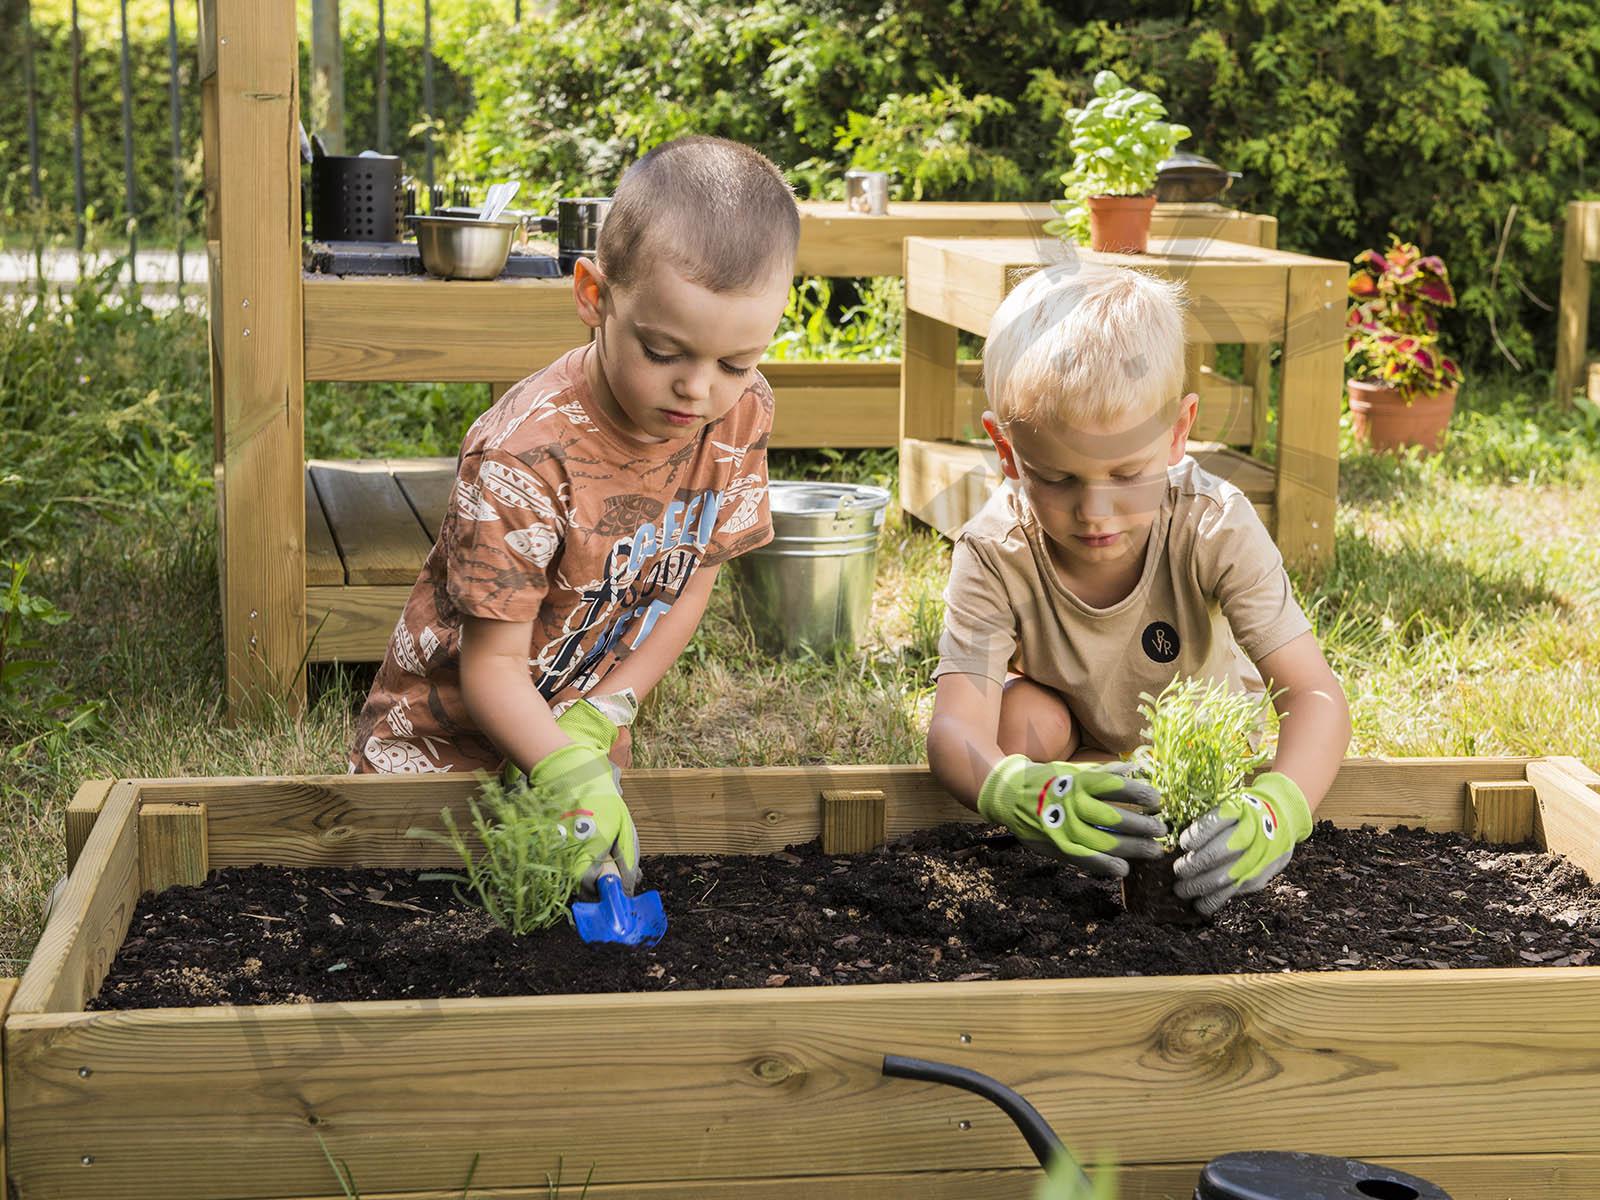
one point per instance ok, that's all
(1486, 1081)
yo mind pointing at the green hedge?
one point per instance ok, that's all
(1349, 118)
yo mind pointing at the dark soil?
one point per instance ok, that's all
(955, 903)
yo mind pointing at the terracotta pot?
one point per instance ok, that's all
(1120, 224)
(1147, 892)
(1385, 421)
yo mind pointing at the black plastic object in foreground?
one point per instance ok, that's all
(1041, 1139)
(1273, 1175)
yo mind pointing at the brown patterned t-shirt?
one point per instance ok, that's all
(560, 518)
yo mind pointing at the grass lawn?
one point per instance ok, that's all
(1462, 610)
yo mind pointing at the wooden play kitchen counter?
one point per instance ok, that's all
(1250, 295)
(1486, 1081)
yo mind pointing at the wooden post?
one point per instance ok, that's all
(8, 988)
(82, 811)
(257, 341)
(1308, 415)
(172, 846)
(853, 822)
(1572, 327)
(1257, 365)
(1568, 820)
(327, 75)
(1502, 812)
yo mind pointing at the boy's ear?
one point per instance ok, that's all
(1188, 408)
(588, 290)
(1008, 456)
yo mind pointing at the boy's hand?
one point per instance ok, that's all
(583, 781)
(1061, 809)
(1241, 844)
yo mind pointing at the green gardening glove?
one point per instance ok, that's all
(1062, 809)
(585, 784)
(1241, 844)
(596, 721)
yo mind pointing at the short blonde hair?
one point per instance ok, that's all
(718, 211)
(1085, 344)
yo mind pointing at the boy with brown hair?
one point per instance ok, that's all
(1108, 564)
(596, 500)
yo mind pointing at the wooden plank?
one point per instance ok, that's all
(353, 624)
(855, 404)
(1502, 813)
(206, 38)
(82, 811)
(1572, 317)
(836, 242)
(323, 564)
(258, 330)
(390, 329)
(172, 846)
(1308, 415)
(337, 820)
(1226, 412)
(1464, 1177)
(944, 484)
(428, 484)
(1569, 810)
(87, 925)
(8, 988)
(211, 157)
(379, 537)
(1398, 1063)
(853, 822)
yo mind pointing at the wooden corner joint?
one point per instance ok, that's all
(854, 821)
(173, 848)
(1502, 812)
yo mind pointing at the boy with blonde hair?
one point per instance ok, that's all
(1108, 564)
(596, 500)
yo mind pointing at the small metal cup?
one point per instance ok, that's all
(866, 192)
(578, 223)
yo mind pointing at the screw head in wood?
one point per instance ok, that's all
(85, 1072)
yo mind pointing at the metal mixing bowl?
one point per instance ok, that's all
(464, 247)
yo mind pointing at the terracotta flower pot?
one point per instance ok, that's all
(1120, 224)
(1384, 420)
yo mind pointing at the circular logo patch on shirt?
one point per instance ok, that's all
(1160, 642)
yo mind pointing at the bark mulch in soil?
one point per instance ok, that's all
(953, 903)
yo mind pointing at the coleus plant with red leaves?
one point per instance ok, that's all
(1392, 332)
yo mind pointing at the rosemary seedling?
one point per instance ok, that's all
(1197, 750)
(525, 874)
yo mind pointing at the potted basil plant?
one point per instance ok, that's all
(1118, 140)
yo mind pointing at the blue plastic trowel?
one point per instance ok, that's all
(618, 917)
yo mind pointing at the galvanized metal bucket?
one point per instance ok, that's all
(810, 588)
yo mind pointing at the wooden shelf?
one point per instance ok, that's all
(369, 526)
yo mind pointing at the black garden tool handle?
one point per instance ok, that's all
(1041, 1139)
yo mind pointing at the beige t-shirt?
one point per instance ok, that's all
(1212, 600)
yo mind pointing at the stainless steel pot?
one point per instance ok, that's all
(578, 223)
(462, 247)
(1191, 178)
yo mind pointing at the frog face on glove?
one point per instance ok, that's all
(1052, 806)
(1269, 819)
(579, 824)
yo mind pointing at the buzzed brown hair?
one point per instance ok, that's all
(720, 212)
